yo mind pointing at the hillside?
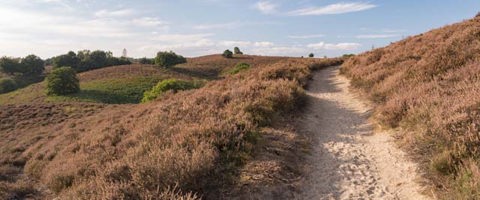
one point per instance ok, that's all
(188, 144)
(428, 87)
(127, 83)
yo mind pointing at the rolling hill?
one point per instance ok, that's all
(127, 83)
(184, 145)
(428, 86)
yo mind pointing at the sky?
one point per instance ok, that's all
(200, 27)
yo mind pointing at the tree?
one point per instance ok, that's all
(70, 59)
(311, 55)
(478, 14)
(62, 81)
(10, 65)
(227, 54)
(98, 59)
(7, 85)
(32, 65)
(236, 50)
(168, 59)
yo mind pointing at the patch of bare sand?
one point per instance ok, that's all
(349, 160)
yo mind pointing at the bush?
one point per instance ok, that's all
(227, 54)
(146, 61)
(478, 14)
(7, 85)
(86, 60)
(239, 68)
(62, 81)
(236, 50)
(10, 65)
(168, 59)
(32, 65)
(311, 55)
(168, 85)
(69, 59)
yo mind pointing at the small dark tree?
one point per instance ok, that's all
(236, 50)
(32, 65)
(69, 59)
(478, 14)
(311, 55)
(7, 85)
(10, 65)
(62, 81)
(168, 59)
(98, 59)
(227, 54)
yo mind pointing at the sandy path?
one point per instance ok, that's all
(349, 161)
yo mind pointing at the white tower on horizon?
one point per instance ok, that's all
(124, 53)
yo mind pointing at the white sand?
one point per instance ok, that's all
(349, 160)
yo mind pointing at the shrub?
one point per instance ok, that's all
(239, 68)
(168, 85)
(62, 81)
(146, 61)
(60, 182)
(478, 14)
(7, 85)
(32, 65)
(227, 54)
(69, 59)
(10, 65)
(86, 60)
(311, 55)
(168, 59)
(236, 50)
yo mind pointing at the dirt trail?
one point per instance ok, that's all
(349, 160)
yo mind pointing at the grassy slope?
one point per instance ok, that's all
(428, 85)
(126, 84)
(194, 139)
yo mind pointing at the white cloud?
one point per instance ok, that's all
(114, 13)
(263, 44)
(230, 25)
(377, 36)
(180, 38)
(337, 46)
(266, 7)
(306, 36)
(338, 8)
(228, 43)
(149, 22)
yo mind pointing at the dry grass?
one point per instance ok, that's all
(184, 145)
(429, 85)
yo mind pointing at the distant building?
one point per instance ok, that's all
(124, 53)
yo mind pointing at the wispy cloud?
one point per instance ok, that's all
(306, 36)
(338, 46)
(266, 7)
(114, 13)
(338, 8)
(377, 36)
(229, 25)
(149, 22)
(232, 25)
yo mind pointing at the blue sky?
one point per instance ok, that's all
(199, 27)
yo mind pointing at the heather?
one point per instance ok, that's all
(427, 86)
(187, 144)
